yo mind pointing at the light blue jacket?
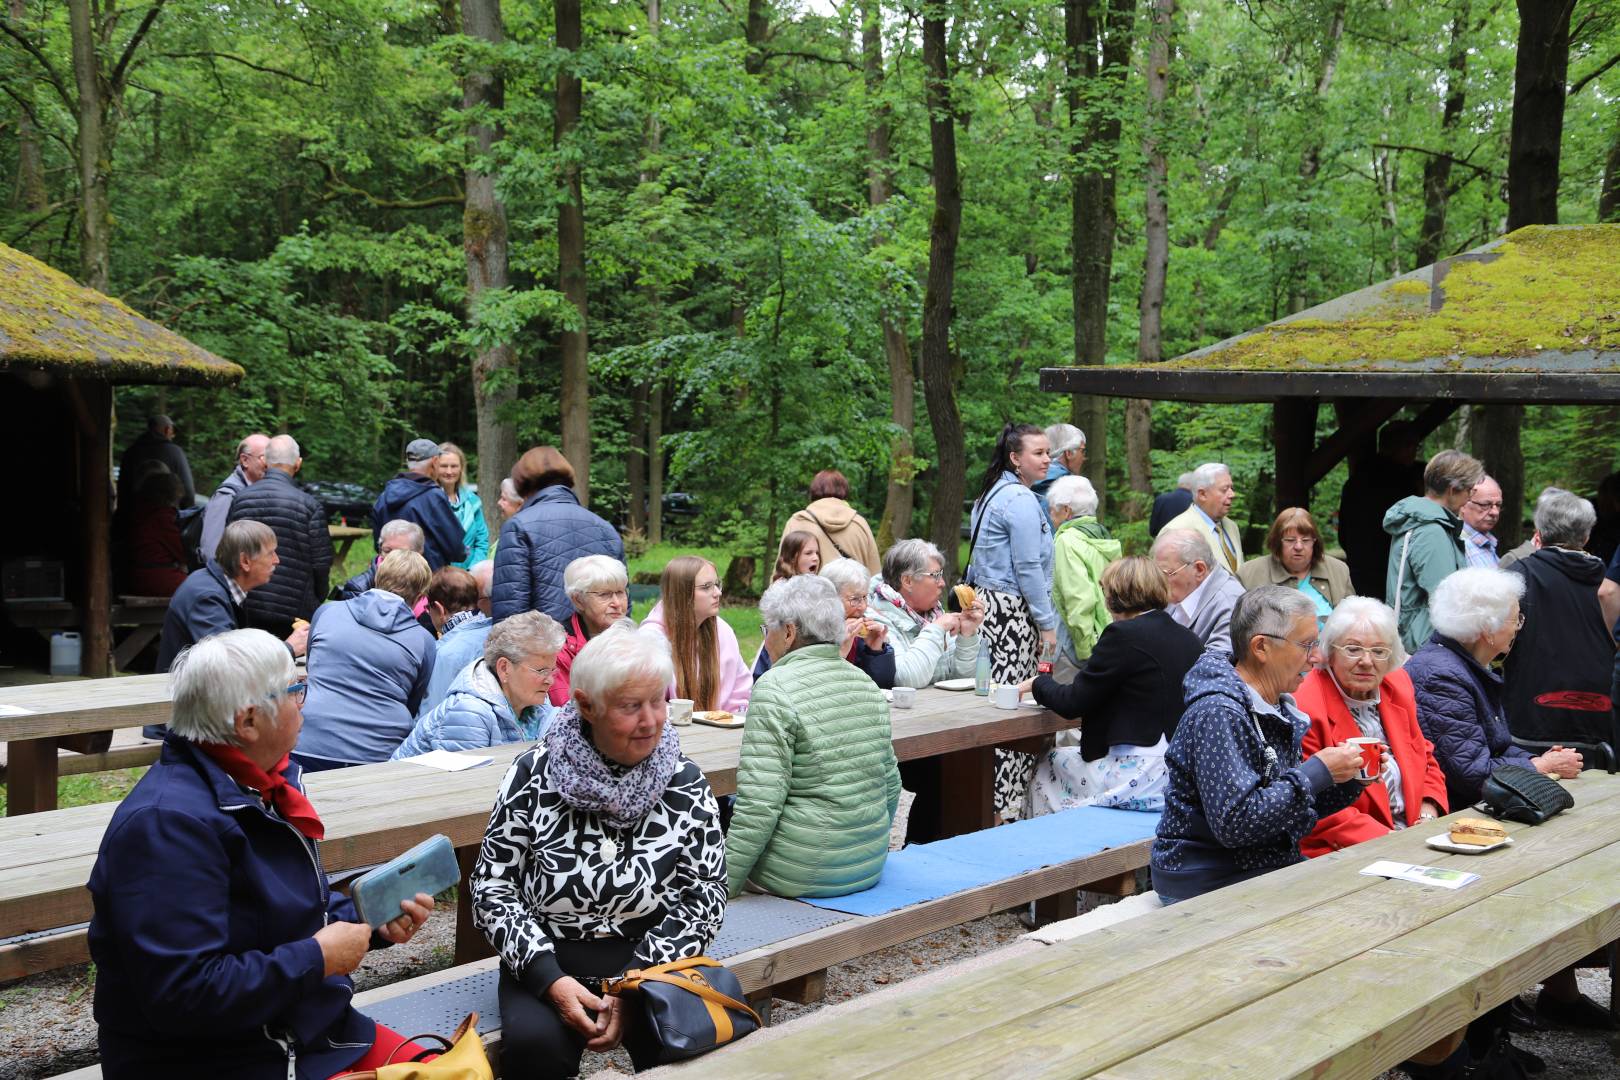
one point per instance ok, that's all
(474, 715)
(1014, 549)
(461, 645)
(469, 510)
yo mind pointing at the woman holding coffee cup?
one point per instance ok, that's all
(1362, 693)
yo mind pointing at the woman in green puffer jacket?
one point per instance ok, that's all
(817, 783)
(1083, 549)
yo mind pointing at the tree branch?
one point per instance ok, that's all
(239, 60)
(1580, 84)
(777, 53)
(336, 187)
(1436, 154)
(44, 62)
(121, 70)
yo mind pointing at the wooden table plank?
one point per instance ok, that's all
(76, 706)
(1084, 1003)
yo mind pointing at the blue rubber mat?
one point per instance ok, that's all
(929, 871)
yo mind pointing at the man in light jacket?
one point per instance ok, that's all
(249, 469)
(1209, 515)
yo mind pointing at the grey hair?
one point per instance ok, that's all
(1205, 476)
(483, 572)
(1268, 610)
(1075, 492)
(848, 574)
(1185, 481)
(1354, 611)
(158, 422)
(594, 572)
(241, 538)
(1564, 519)
(1062, 438)
(1473, 602)
(401, 527)
(909, 557)
(509, 490)
(521, 636)
(210, 681)
(616, 656)
(283, 450)
(1186, 545)
(808, 602)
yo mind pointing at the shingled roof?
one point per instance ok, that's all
(1531, 317)
(49, 322)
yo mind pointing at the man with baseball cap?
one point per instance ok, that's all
(414, 495)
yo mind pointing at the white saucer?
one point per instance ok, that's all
(1443, 843)
(954, 684)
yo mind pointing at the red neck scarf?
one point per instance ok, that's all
(272, 786)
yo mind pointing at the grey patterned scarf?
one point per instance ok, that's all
(587, 781)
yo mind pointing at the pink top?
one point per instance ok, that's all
(736, 681)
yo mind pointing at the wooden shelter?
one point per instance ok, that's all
(63, 348)
(1531, 318)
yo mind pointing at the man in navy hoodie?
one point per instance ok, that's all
(414, 495)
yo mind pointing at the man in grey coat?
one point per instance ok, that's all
(1202, 594)
(249, 470)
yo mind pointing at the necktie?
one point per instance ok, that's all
(1227, 548)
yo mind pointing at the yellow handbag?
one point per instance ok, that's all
(463, 1059)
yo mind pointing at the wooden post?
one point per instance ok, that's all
(1295, 437)
(93, 406)
(30, 776)
(470, 942)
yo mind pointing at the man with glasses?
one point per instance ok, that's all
(1479, 516)
(1202, 594)
(249, 470)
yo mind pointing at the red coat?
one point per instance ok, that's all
(1331, 724)
(573, 641)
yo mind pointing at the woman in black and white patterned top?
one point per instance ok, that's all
(603, 854)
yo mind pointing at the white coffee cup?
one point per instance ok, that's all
(1004, 697)
(904, 697)
(680, 711)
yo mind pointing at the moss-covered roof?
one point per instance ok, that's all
(49, 322)
(1533, 316)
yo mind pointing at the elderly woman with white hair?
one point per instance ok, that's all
(1241, 794)
(1361, 692)
(213, 955)
(499, 698)
(865, 637)
(603, 853)
(1082, 549)
(598, 586)
(1476, 617)
(817, 783)
(1067, 445)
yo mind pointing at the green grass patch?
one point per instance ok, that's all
(91, 788)
(655, 558)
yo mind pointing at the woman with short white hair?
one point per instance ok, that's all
(817, 783)
(213, 955)
(603, 853)
(1475, 612)
(1361, 692)
(598, 586)
(1082, 549)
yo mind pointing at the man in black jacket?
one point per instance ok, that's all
(415, 495)
(297, 587)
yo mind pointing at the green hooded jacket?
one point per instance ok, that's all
(1425, 547)
(1082, 550)
(817, 783)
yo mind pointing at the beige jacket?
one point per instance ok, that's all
(839, 531)
(1330, 577)
(1192, 518)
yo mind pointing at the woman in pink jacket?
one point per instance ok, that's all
(709, 668)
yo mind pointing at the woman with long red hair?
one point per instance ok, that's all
(709, 668)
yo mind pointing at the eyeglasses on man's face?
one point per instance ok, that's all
(1485, 506)
(1309, 646)
(297, 692)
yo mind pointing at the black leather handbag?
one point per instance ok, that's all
(692, 1006)
(1515, 793)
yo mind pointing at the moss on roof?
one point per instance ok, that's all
(49, 322)
(1543, 297)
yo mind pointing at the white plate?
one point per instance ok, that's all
(1443, 843)
(954, 684)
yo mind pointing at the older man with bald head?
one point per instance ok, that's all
(302, 541)
(249, 470)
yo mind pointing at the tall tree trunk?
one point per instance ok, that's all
(655, 463)
(646, 503)
(897, 507)
(635, 460)
(756, 28)
(95, 225)
(1609, 195)
(1097, 39)
(1437, 169)
(1310, 160)
(576, 400)
(950, 461)
(32, 198)
(1540, 72)
(1156, 259)
(484, 242)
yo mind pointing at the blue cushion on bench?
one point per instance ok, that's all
(929, 871)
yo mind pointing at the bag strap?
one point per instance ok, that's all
(1400, 573)
(973, 542)
(825, 531)
(704, 991)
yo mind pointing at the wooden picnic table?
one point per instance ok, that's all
(38, 718)
(373, 812)
(343, 537)
(1316, 970)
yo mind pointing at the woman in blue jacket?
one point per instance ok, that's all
(451, 469)
(498, 698)
(220, 949)
(540, 540)
(1011, 568)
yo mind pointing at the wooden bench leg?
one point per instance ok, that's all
(30, 776)
(470, 942)
(1118, 885)
(760, 1002)
(804, 990)
(967, 784)
(1051, 909)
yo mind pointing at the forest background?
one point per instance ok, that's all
(716, 246)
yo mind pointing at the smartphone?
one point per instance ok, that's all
(429, 867)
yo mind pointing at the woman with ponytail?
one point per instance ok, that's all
(709, 668)
(1010, 565)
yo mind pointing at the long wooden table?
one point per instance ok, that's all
(1316, 970)
(59, 713)
(373, 812)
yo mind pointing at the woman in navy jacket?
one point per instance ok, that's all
(540, 540)
(220, 949)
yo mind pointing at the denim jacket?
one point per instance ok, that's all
(1014, 549)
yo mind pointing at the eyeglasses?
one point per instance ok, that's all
(1354, 653)
(1177, 570)
(1309, 646)
(609, 594)
(543, 672)
(297, 692)
(1485, 505)
(936, 575)
(1298, 541)
(710, 587)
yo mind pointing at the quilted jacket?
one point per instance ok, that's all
(411, 496)
(474, 714)
(1459, 706)
(923, 653)
(302, 544)
(817, 784)
(537, 543)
